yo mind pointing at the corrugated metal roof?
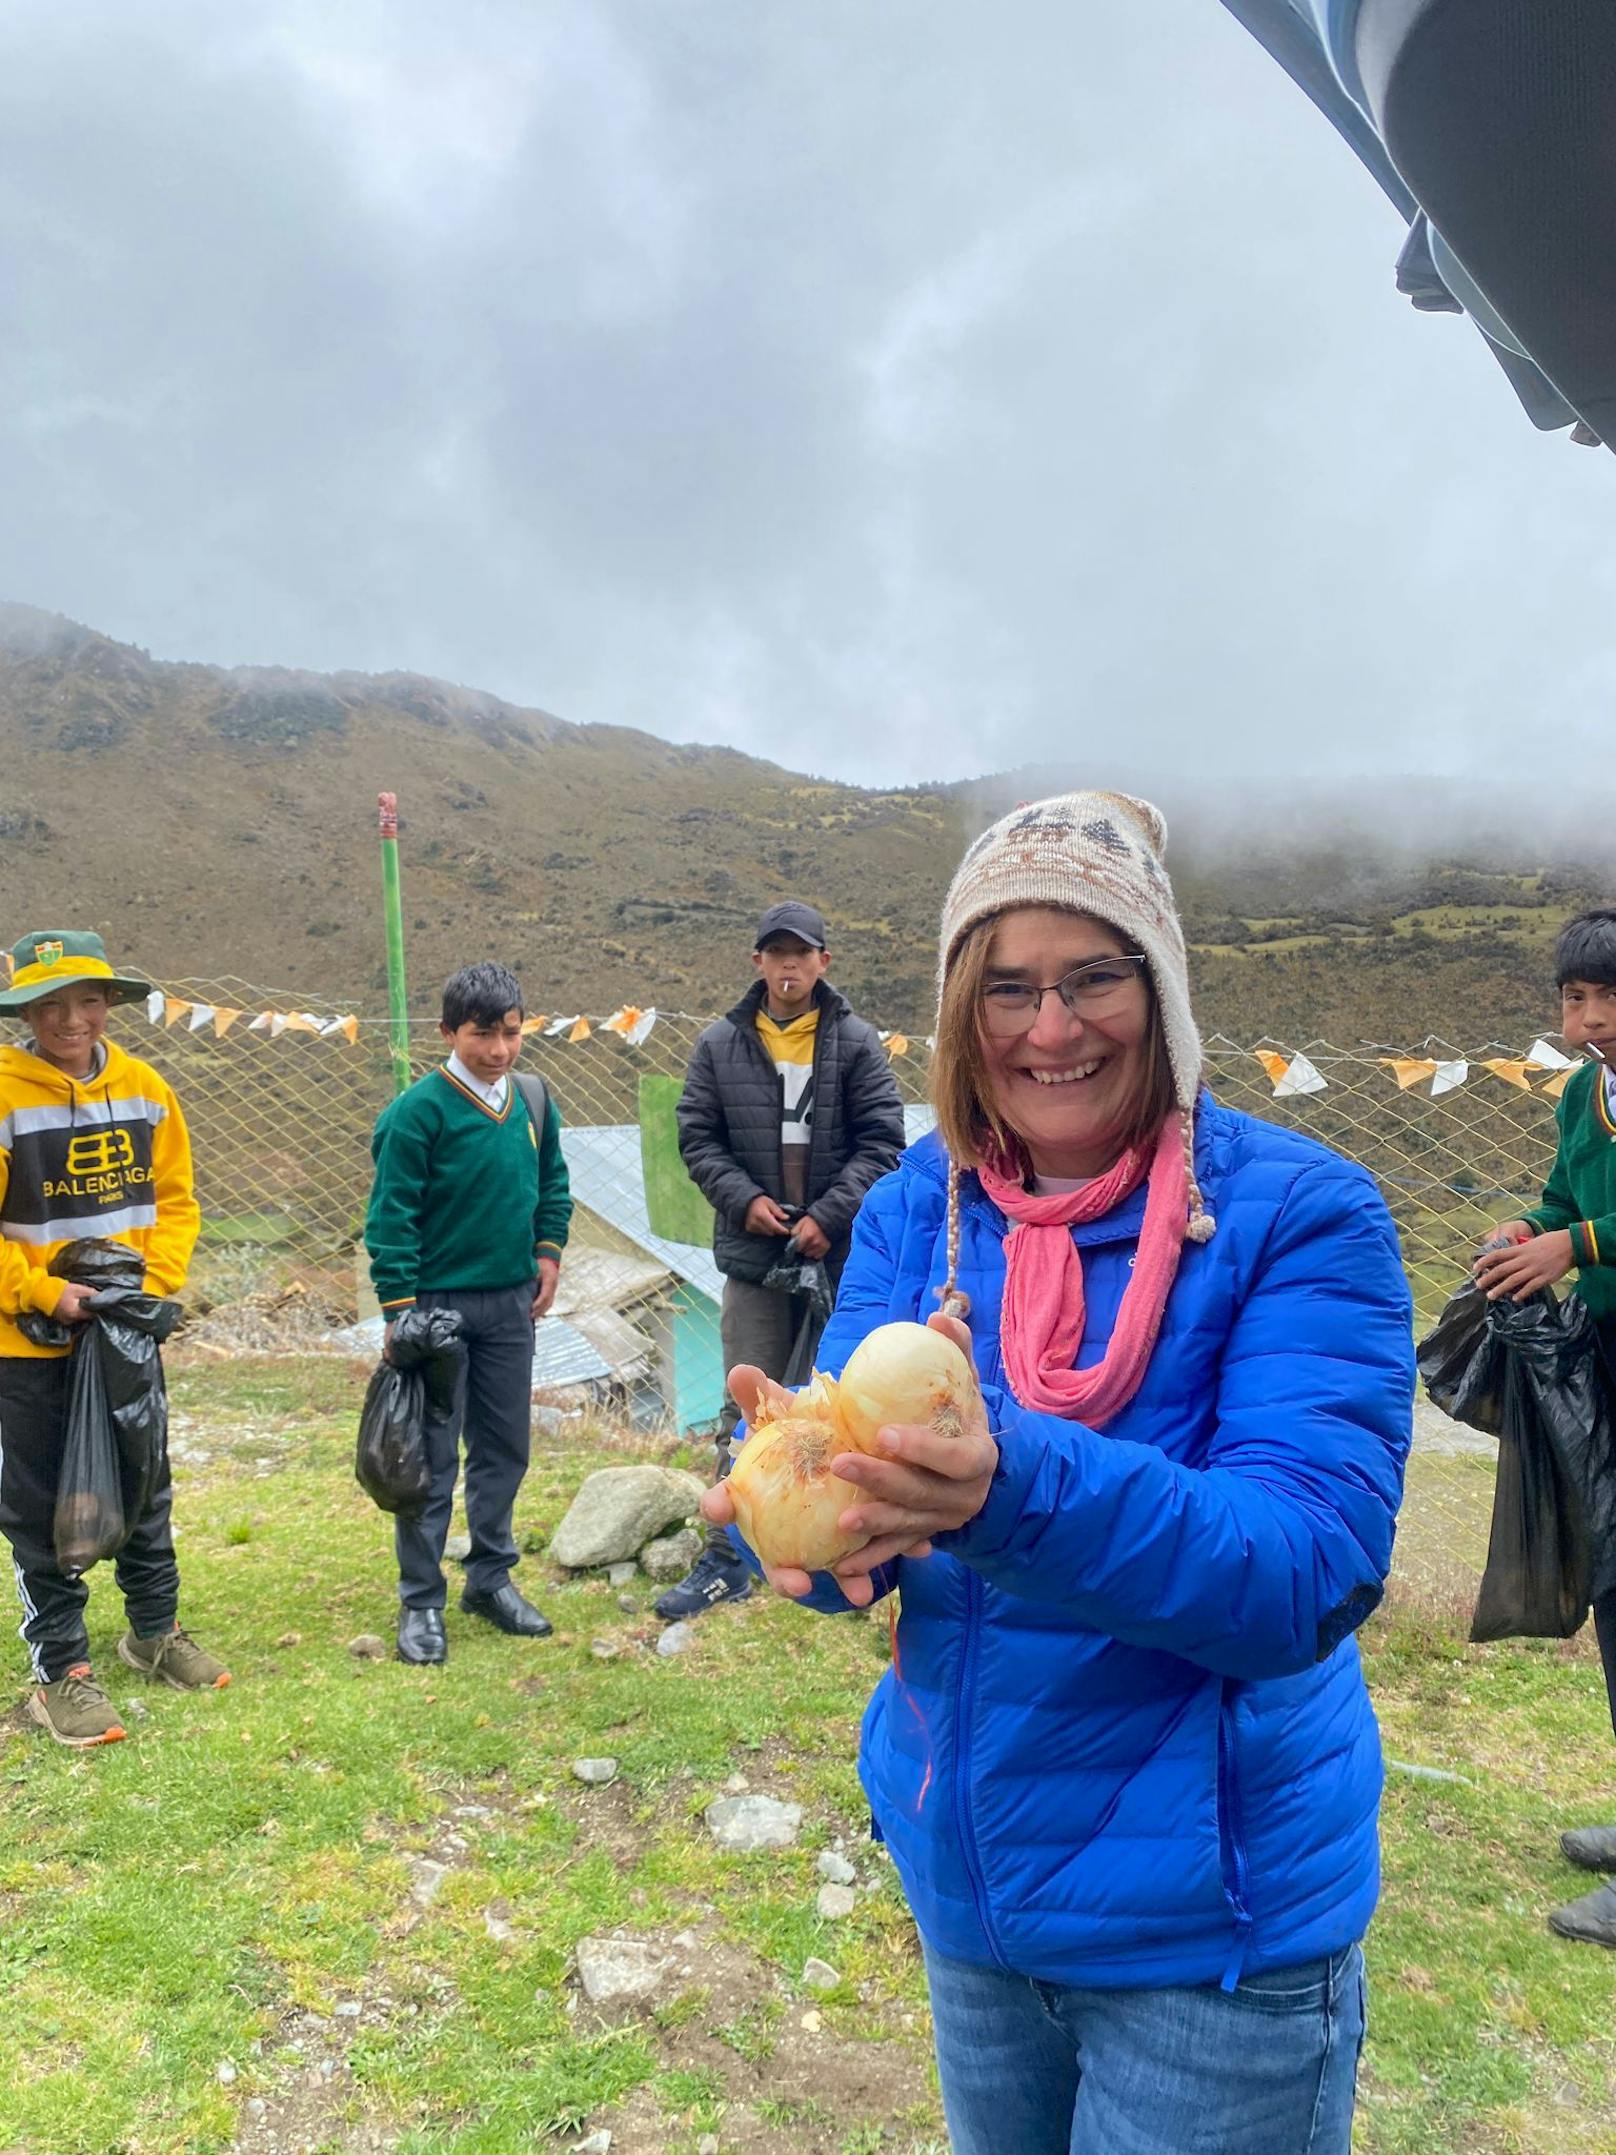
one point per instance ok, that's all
(562, 1355)
(603, 1163)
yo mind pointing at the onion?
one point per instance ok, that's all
(787, 1501)
(905, 1376)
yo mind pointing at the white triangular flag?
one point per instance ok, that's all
(156, 1004)
(1449, 1077)
(1544, 1057)
(559, 1025)
(1300, 1077)
(261, 1023)
(640, 1030)
(201, 1016)
(277, 1024)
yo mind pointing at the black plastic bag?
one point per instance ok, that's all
(117, 1404)
(1531, 1374)
(808, 1278)
(390, 1462)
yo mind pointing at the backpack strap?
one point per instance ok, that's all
(536, 1094)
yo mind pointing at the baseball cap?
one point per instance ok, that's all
(791, 917)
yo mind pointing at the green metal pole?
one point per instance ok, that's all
(398, 1008)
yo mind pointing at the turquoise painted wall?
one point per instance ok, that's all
(698, 1359)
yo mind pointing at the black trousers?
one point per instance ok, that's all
(493, 1414)
(33, 1413)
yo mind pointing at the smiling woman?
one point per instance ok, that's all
(1124, 1759)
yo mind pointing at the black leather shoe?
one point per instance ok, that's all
(420, 1636)
(1591, 1920)
(1592, 1848)
(506, 1610)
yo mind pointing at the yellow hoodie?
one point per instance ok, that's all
(105, 1155)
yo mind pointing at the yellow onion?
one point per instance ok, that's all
(905, 1376)
(787, 1501)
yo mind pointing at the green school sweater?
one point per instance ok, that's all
(463, 1198)
(1580, 1194)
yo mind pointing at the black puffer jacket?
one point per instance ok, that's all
(729, 1127)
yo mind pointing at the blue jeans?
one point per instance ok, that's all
(1268, 2068)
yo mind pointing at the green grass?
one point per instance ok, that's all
(210, 1892)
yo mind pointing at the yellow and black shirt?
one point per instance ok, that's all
(790, 1047)
(105, 1155)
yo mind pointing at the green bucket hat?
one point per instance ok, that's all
(56, 958)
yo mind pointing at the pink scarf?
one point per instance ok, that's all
(1041, 1325)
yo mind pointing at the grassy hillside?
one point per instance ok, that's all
(217, 822)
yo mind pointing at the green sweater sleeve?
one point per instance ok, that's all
(1559, 1207)
(552, 1216)
(402, 1151)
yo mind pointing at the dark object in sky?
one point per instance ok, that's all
(1492, 126)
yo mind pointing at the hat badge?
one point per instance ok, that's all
(47, 953)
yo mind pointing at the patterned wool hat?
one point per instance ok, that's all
(1100, 854)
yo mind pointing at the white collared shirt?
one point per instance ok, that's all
(491, 1095)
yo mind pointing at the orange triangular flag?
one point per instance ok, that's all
(1558, 1083)
(1409, 1070)
(897, 1044)
(349, 1029)
(299, 1021)
(533, 1025)
(623, 1021)
(1512, 1073)
(580, 1031)
(222, 1022)
(1275, 1064)
(177, 1008)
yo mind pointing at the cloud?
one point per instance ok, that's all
(893, 392)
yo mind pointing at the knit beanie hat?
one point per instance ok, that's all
(1100, 854)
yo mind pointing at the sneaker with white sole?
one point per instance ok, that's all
(173, 1658)
(76, 1711)
(716, 1576)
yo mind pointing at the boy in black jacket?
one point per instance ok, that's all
(790, 1112)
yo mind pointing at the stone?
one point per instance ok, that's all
(737, 1785)
(668, 1558)
(367, 1647)
(497, 1923)
(834, 1902)
(819, 1975)
(426, 1880)
(597, 2143)
(350, 2009)
(457, 1548)
(473, 1810)
(256, 2106)
(136, 1710)
(594, 1772)
(707, 2144)
(811, 2023)
(604, 1649)
(748, 1822)
(611, 1969)
(628, 1605)
(618, 1510)
(674, 1640)
(225, 2073)
(836, 1868)
(620, 1574)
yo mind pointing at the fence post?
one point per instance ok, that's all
(398, 1020)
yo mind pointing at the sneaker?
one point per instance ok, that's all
(714, 1578)
(175, 1659)
(76, 1711)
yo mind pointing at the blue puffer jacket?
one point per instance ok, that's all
(1127, 1739)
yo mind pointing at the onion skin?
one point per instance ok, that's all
(905, 1376)
(786, 1503)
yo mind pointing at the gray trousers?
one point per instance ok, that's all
(493, 1413)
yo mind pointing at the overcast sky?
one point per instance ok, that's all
(899, 391)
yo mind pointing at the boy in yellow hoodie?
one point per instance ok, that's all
(92, 1143)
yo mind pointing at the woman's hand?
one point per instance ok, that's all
(922, 1485)
(1519, 1269)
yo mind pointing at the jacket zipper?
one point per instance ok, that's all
(963, 1688)
(1232, 1843)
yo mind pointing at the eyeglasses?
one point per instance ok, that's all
(1012, 1006)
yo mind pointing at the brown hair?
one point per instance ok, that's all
(961, 1090)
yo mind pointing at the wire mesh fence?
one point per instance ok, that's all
(281, 1104)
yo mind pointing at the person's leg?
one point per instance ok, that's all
(67, 1703)
(754, 1325)
(1009, 2071)
(149, 1580)
(1269, 2068)
(418, 1539)
(33, 1414)
(498, 1432)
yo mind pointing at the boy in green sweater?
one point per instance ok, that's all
(469, 1211)
(1575, 1226)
